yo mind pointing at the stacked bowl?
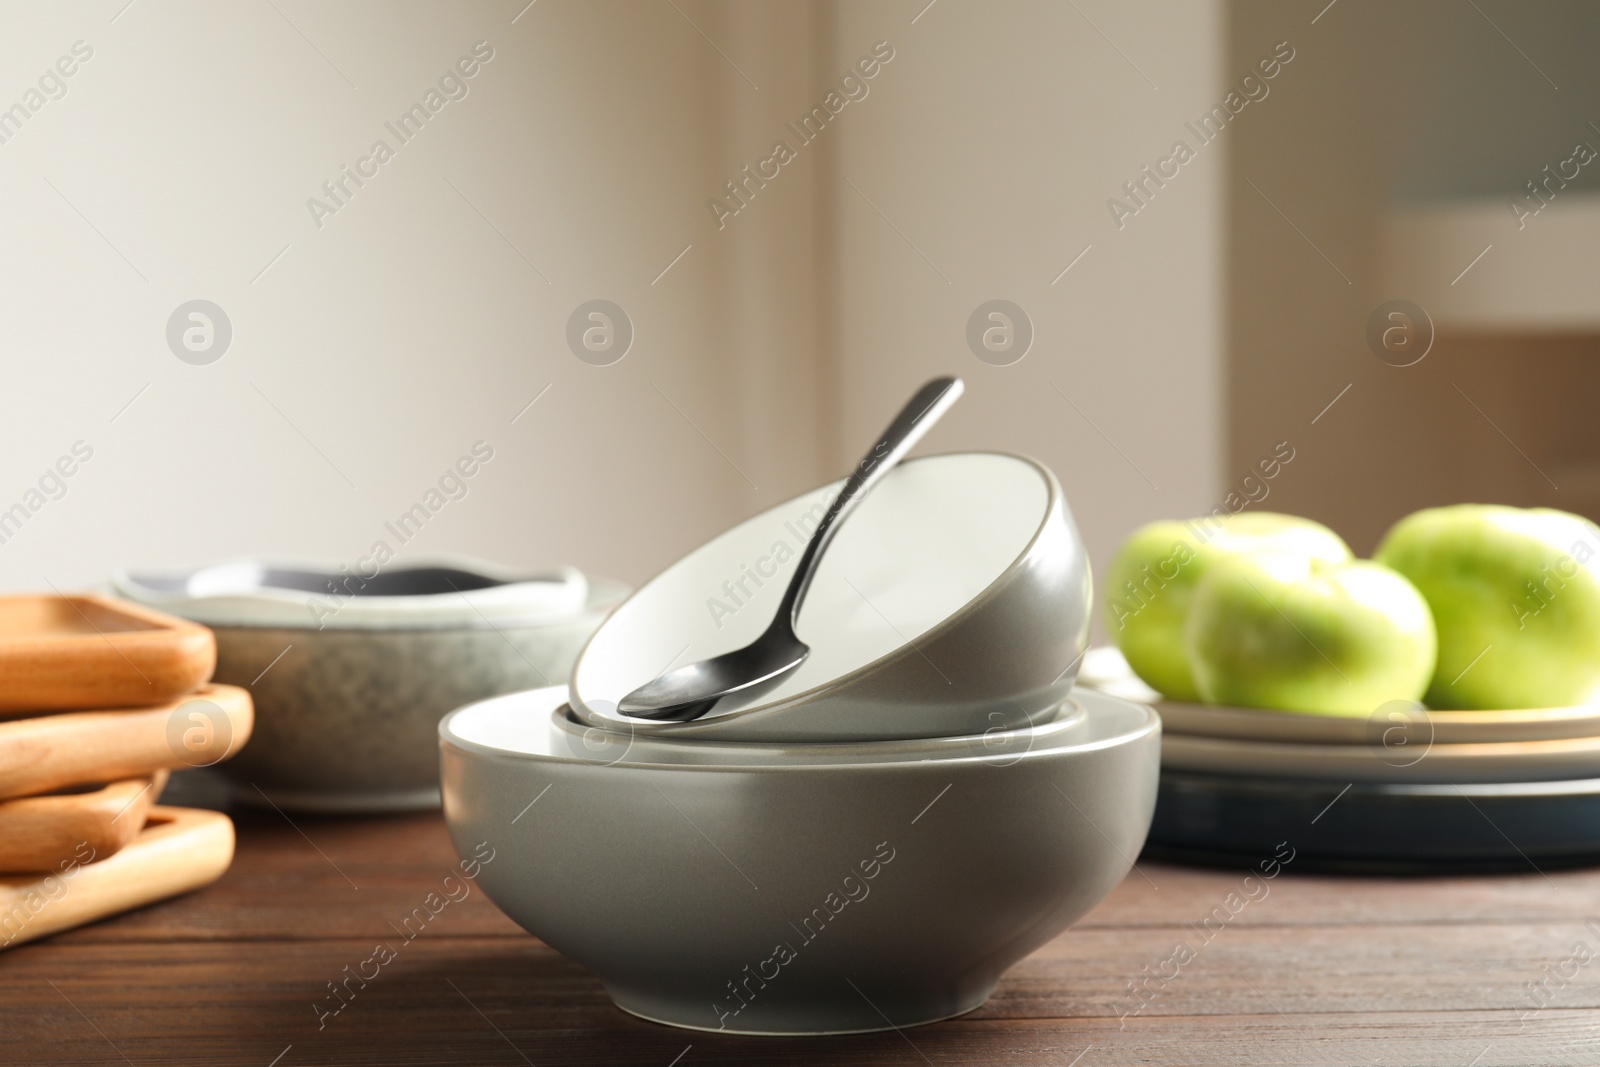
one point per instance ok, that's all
(872, 842)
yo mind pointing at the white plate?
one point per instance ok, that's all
(537, 723)
(1441, 727)
(1415, 761)
(1105, 669)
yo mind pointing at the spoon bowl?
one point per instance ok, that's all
(679, 695)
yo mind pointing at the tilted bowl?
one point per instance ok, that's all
(958, 592)
(793, 893)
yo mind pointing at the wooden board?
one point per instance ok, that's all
(179, 849)
(41, 833)
(80, 651)
(1322, 970)
(50, 752)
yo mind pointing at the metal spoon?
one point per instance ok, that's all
(689, 692)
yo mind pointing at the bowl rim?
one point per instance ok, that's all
(466, 610)
(1150, 725)
(567, 722)
(1054, 505)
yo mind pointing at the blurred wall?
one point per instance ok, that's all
(1385, 168)
(983, 168)
(374, 344)
(371, 351)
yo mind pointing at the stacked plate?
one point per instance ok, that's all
(874, 841)
(99, 700)
(1406, 788)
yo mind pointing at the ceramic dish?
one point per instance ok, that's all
(1393, 725)
(1105, 669)
(1513, 761)
(794, 897)
(60, 653)
(1371, 827)
(346, 715)
(436, 592)
(958, 592)
(999, 744)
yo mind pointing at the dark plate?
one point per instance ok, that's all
(1365, 827)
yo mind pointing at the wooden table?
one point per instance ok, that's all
(1320, 970)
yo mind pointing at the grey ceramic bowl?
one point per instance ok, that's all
(796, 893)
(347, 715)
(957, 594)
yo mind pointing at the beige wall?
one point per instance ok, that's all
(380, 346)
(993, 143)
(1394, 146)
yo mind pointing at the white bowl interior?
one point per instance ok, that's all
(1000, 745)
(430, 592)
(530, 723)
(933, 535)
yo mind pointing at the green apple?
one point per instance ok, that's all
(1155, 573)
(1515, 595)
(1285, 631)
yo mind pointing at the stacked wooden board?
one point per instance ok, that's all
(99, 701)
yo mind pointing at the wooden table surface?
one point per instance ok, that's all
(1320, 970)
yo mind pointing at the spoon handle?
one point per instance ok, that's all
(914, 420)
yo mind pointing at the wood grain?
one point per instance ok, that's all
(178, 850)
(74, 748)
(1320, 970)
(71, 652)
(42, 833)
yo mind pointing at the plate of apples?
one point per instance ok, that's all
(1443, 689)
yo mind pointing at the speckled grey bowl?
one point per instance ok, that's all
(347, 715)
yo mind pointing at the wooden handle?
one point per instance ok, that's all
(79, 651)
(55, 751)
(179, 850)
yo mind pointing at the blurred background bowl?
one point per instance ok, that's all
(346, 715)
